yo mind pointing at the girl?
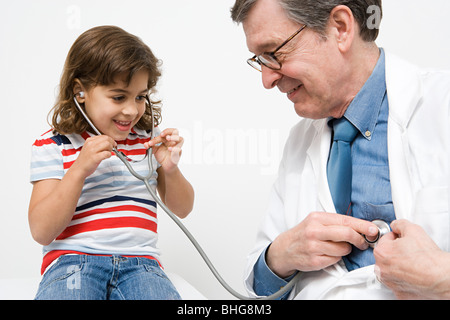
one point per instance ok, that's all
(96, 222)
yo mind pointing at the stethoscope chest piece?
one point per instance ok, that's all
(383, 228)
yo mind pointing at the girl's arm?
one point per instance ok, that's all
(52, 206)
(175, 191)
(53, 202)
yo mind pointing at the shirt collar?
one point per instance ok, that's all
(364, 110)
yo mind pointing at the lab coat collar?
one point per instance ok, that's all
(405, 92)
(404, 89)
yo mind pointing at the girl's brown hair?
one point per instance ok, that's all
(97, 57)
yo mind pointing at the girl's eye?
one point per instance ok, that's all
(122, 98)
(118, 98)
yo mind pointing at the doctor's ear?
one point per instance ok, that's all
(342, 25)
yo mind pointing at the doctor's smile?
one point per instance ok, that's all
(293, 90)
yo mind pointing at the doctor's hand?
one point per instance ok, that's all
(411, 264)
(319, 241)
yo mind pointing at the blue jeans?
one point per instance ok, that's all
(83, 277)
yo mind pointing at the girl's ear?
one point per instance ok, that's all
(77, 88)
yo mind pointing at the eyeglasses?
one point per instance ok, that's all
(268, 59)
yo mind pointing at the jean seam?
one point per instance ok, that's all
(156, 270)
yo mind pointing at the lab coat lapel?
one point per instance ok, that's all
(404, 92)
(318, 155)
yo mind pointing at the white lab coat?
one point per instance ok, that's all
(418, 141)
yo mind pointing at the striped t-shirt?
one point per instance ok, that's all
(115, 213)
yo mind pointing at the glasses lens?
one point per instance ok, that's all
(269, 61)
(253, 62)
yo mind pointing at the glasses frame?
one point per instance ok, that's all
(256, 61)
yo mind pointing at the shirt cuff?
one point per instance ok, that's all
(265, 281)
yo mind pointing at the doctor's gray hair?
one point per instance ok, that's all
(315, 13)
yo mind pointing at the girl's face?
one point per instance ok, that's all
(115, 109)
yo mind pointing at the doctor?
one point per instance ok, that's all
(323, 56)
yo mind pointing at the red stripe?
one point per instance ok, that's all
(108, 223)
(70, 152)
(40, 143)
(115, 209)
(67, 165)
(55, 254)
(85, 135)
(133, 152)
(131, 142)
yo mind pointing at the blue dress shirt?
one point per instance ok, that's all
(371, 185)
(371, 188)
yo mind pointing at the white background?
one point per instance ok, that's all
(234, 129)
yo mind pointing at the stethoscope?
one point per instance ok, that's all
(145, 179)
(383, 227)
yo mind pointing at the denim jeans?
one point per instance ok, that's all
(85, 277)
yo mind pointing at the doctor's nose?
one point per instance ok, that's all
(270, 77)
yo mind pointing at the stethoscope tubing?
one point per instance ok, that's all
(145, 180)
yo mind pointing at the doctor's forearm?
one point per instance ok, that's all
(265, 281)
(276, 262)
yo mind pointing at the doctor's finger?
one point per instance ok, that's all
(391, 236)
(336, 249)
(360, 226)
(319, 262)
(404, 227)
(344, 234)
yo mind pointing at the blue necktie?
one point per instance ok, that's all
(339, 168)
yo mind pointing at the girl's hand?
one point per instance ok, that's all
(94, 151)
(167, 148)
